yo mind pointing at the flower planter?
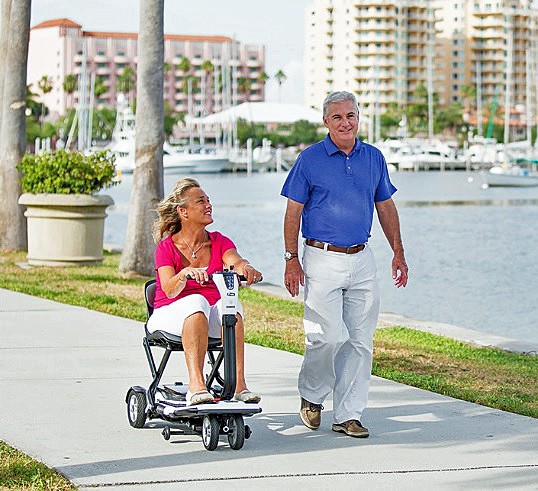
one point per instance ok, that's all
(65, 229)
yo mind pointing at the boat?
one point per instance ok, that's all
(122, 145)
(203, 159)
(510, 175)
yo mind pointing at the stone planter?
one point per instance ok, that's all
(65, 229)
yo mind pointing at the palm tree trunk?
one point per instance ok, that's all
(13, 128)
(4, 37)
(147, 188)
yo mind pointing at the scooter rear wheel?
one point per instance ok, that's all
(210, 432)
(236, 434)
(136, 408)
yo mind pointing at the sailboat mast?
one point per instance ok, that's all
(479, 97)
(429, 73)
(509, 75)
(528, 101)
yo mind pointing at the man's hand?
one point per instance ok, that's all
(399, 270)
(293, 276)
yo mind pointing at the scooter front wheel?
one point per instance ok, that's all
(210, 432)
(236, 433)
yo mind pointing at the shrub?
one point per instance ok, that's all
(65, 172)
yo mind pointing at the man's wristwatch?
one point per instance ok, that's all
(290, 255)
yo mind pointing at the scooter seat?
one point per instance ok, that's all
(163, 338)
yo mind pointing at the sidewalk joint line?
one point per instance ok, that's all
(307, 474)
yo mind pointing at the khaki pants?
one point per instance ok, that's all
(341, 299)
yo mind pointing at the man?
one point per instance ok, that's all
(332, 190)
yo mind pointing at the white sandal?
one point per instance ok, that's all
(247, 396)
(200, 397)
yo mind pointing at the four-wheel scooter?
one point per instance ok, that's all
(168, 402)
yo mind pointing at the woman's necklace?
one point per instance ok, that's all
(193, 252)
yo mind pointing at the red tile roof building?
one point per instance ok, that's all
(61, 47)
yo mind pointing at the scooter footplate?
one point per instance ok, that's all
(221, 407)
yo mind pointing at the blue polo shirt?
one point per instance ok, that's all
(338, 191)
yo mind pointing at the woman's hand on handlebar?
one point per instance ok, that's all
(197, 274)
(251, 274)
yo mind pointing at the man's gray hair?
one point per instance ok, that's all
(341, 96)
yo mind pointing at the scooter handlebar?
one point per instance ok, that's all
(240, 277)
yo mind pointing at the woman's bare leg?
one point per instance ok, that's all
(194, 337)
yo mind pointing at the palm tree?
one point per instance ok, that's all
(207, 99)
(125, 81)
(4, 38)
(45, 85)
(184, 65)
(147, 189)
(263, 78)
(280, 77)
(468, 92)
(243, 87)
(100, 87)
(69, 85)
(13, 122)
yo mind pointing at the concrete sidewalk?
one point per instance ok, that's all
(65, 371)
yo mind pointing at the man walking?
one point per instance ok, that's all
(332, 190)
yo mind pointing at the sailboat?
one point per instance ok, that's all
(519, 163)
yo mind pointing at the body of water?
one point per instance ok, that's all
(472, 252)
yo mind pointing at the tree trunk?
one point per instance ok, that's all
(147, 190)
(4, 36)
(13, 130)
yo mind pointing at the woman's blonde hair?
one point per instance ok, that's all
(168, 221)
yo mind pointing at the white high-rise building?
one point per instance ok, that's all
(380, 50)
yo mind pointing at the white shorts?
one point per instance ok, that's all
(171, 317)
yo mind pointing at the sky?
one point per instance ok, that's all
(277, 24)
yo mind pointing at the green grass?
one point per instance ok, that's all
(18, 471)
(486, 376)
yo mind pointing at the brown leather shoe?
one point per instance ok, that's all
(310, 414)
(353, 427)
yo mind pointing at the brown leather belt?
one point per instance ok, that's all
(328, 247)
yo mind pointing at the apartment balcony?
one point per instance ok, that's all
(417, 40)
(489, 68)
(489, 57)
(488, 21)
(386, 49)
(488, 45)
(78, 58)
(101, 59)
(487, 34)
(121, 59)
(103, 71)
(370, 61)
(375, 26)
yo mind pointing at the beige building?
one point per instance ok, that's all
(488, 41)
(61, 47)
(380, 50)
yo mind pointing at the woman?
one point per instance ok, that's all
(191, 308)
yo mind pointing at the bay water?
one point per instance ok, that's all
(472, 252)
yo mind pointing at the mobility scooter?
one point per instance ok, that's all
(168, 402)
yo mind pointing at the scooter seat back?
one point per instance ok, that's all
(149, 293)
